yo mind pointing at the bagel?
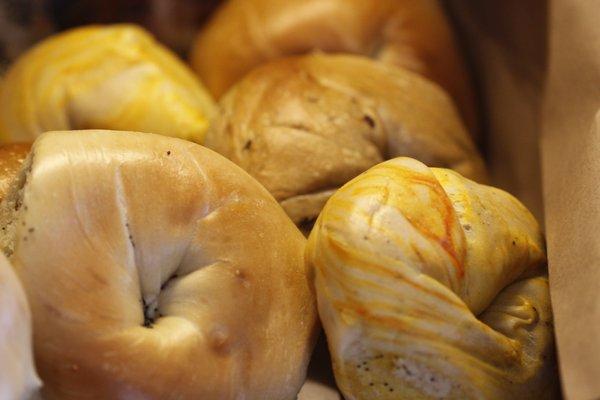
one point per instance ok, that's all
(182, 277)
(18, 379)
(304, 126)
(413, 34)
(102, 77)
(432, 286)
(11, 157)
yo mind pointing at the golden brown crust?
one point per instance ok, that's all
(304, 126)
(11, 158)
(413, 34)
(182, 277)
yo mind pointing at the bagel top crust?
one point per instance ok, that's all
(102, 77)
(412, 34)
(303, 126)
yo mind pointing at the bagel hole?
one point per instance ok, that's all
(150, 313)
(168, 281)
(12, 206)
(151, 309)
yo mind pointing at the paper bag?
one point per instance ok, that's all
(505, 42)
(538, 69)
(570, 146)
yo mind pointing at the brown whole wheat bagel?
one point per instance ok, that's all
(303, 126)
(412, 34)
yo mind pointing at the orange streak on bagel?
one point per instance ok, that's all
(356, 261)
(444, 208)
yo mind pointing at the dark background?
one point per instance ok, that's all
(24, 22)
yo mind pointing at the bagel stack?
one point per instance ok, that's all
(102, 77)
(407, 33)
(156, 268)
(305, 124)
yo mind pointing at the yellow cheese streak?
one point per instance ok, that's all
(102, 77)
(432, 286)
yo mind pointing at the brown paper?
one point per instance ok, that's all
(571, 171)
(539, 76)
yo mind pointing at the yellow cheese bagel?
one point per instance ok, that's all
(102, 77)
(431, 286)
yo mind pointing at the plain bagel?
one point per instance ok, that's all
(413, 34)
(156, 269)
(303, 126)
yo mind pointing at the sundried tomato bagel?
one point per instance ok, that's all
(156, 269)
(431, 286)
(18, 379)
(413, 34)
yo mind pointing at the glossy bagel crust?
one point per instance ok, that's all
(157, 269)
(432, 286)
(102, 77)
(303, 126)
(413, 34)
